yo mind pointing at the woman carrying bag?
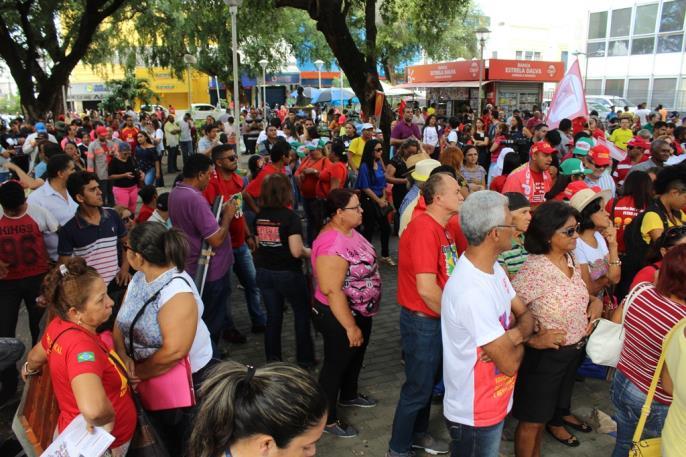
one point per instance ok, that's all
(159, 332)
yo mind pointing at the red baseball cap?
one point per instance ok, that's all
(574, 187)
(638, 142)
(102, 130)
(600, 155)
(541, 146)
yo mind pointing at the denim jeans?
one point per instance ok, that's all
(276, 287)
(628, 401)
(468, 441)
(244, 267)
(215, 297)
(149, 177)
(186, 150)
(423, 349)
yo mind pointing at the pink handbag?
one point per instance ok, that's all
(173, 389)
(170, 390)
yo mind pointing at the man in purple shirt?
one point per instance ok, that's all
(405, 129)
(190, 213)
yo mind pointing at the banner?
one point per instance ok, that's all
(378, 104)
(569, 100)
(615, 152)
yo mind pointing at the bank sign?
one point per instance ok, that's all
(525, 70)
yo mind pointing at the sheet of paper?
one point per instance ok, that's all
(77, 441)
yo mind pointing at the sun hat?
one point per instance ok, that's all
(411, 161)
(572, 188)
(584, 197)
(600, 155)
(582, 146)
(423, 169)
(573, 166)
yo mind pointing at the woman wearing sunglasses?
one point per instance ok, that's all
(371, 180)
(551, 285)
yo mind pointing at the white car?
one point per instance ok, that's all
(610, 100)
(200, 111)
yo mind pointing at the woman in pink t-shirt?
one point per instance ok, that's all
(347, 295)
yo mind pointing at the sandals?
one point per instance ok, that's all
(569, 442)
(583, 427)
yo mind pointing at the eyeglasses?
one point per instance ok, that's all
(505, 226)
(128, 218)
(570, 231)
(230, 158)
(357, 208)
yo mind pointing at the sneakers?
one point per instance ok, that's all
(234, 336)
(341, 430)
(430, 445)
(362, 401)
(388, 261)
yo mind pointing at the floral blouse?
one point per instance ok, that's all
(558, 302)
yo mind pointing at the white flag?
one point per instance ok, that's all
(568, 101)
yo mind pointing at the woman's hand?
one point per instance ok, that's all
(355, 336)
(130, 175)
(594, 311)
(130, 370)
(548, 339)
(610, 234)
(383, 203)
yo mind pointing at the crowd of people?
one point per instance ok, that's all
(514, 239)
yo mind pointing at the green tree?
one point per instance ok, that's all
(41, 41)
(126, 91)
(10, 105)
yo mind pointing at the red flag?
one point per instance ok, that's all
(378, 103)
(569, 100)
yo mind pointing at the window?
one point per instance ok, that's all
(669, 43)
(594, 86)
(621, 21)
(642, 45)
(614, 87)
(537, 56)
(595, 49)
(663, 92)
(618, 48)
(494, 55)
(644, 22)
(528, 55)
(637, 90)
(672, 18)
(518, 55)
(597, 25)
(564, 57)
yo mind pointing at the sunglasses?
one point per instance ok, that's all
(127, 219)
(229, 158)
(378, 149)
(569, 232)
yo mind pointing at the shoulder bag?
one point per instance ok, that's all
(652, 447)
(605, 343)
(172, 389)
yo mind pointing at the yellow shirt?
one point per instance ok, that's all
(652, 221)
(620, 137)
(674, 430)
(356, 149)
(430, 111)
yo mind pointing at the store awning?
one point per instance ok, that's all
(442, 84)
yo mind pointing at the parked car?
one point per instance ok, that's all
(611, 100)
(200, 111)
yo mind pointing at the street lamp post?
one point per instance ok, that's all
(263, 63)
(233, 10)
(481, 35)
(577, 54)
(318, 63)
(189, 59)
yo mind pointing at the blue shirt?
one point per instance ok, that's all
(40, 169)
(364, 182)
(409, 196)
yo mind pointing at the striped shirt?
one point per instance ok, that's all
(97, 244)
(513, 259)
(605, 182)
(649, 318)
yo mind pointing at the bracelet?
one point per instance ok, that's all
(615, 262)
(29, 372)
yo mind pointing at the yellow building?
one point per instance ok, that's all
(87, 86)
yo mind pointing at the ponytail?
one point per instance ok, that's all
(158, 245)
(68, 285)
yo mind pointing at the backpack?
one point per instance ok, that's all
(636, 246)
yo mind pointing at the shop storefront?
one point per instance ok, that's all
(509, 84)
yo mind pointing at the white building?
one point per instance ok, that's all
(636, 50)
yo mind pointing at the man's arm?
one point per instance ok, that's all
(429, 291)
(217, 238)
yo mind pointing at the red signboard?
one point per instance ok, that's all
(466, 70)
(525, 70)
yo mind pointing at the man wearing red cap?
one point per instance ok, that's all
(598, 160)
(635, 148)
(98, 157)
(533, 179)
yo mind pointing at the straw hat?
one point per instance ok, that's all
(424, 168)
(584, 197)
(414, 158)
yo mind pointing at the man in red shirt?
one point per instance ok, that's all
(427, 256)
(227, 183)
(533, 179)
(635, 153)
(129, 133)
(278, 156)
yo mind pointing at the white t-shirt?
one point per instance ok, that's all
(159, 135)
(475, 310)
(593, 257)
(201, 350)
(643, 115)
(452, 136)
(263, 135)
(430, 136)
